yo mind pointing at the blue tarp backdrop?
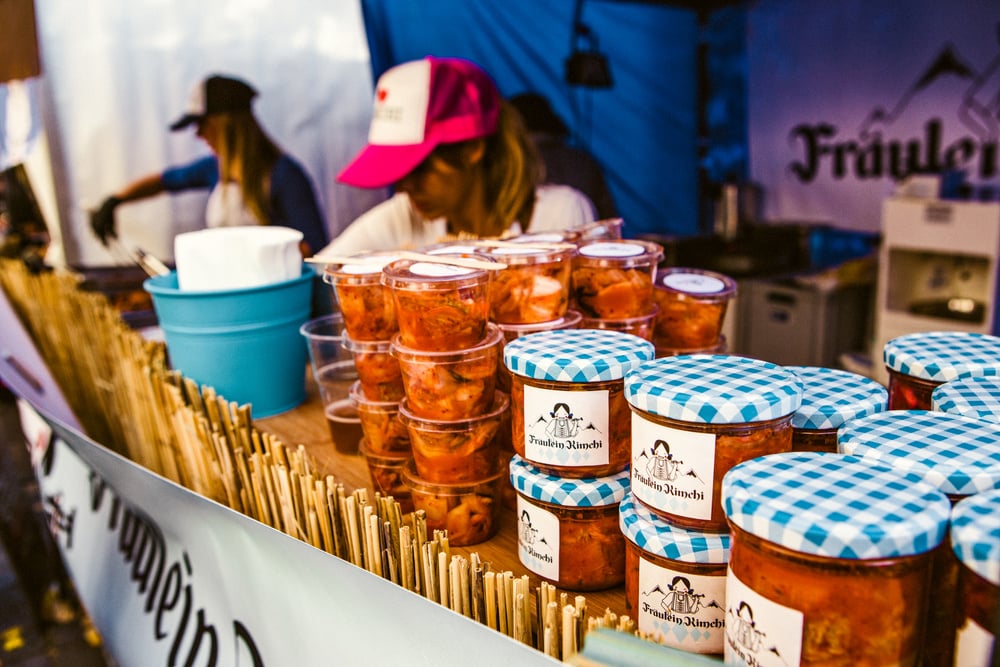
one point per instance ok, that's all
(643, 130)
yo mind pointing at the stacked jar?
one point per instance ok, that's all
(612, 285)
(975, 539)
(692, 307)
(958, 455)
(976, 397)
(570, 423)
(448, 353)
(831, 398)
(369, 324)
(829, 561)
(919, 362)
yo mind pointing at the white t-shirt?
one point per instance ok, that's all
(395, 224)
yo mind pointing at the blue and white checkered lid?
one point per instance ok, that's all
(651, 533)
(582, 492)
(958, 455)
(831, 397)
(713, 389)
(940, 356)
(975, 534)
(576, 355)
(827, 504)
(977, 397)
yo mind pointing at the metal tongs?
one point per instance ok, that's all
(147, 262)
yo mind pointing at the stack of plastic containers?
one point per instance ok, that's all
(692, 306)
(612, 285)
(448, 353)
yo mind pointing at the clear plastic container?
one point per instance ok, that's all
(380, 423)
(599, 230)
(831, 398)
(829, 561)
(377, 369)
(693, 304)
(693, 418)
(535, 285)
(365, 303)
(975, 541)
(918, 363)
(613, 279)
(721, 347)
(345, 425)
(570, 320)
(641, 326)
(675, 580)
(469, 511)
(459, 450)
(386, 473)
(567, 529)
(570, 417)
(439, 306)
(452, 384)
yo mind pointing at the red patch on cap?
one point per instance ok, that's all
(381, 94)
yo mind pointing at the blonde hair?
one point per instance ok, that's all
(247, 156)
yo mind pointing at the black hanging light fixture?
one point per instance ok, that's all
(586, 66)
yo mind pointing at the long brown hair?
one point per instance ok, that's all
(247, 156)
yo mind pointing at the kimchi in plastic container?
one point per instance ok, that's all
(386, 473)
(976, 397)
(829, 560)
(570, 417)
(567, 529)
(693, 304)
(675, 580)
(468, 510)
(535, 285)
(920, 362)
(641, 326)
(613, 279)
(378, 370)
(975, 540)
(366, 304)
(380, 423)
(693, 418)
(830, 398)
(721, 347)
(439, 306)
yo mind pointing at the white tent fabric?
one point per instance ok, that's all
(117, 73)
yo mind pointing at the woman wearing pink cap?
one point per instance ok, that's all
(459, 159)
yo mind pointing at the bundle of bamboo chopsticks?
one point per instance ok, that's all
(121, 387)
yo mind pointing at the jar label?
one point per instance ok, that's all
(759, 631)
(973, 644)
(686, 611)
(566, 428)
(538, 539)
(673, 470)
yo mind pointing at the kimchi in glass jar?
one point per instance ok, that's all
(570, 417)
(567, 529)
(613, 279)
(830, 398)
(693, 304)
(975, 540)
(675, 580)
(366, 304)
(570, 320)
(976, 397)
(535, 285)
(693, 418)
(918, 363)
(829, 561)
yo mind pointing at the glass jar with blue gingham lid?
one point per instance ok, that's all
(919, 362)
(977, 397)
(823, 541)
(675, 579)
(975, 541)
(696, 416)
(830, 398)
(569, 416)
(568, 527)
(958, 455)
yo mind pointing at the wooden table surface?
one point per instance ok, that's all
(306, 425)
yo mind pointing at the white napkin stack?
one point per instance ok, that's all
(225, 258)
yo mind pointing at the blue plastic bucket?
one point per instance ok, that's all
(244, 343)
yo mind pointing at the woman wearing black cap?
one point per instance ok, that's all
(252, 181)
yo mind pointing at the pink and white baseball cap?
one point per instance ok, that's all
(419, 105)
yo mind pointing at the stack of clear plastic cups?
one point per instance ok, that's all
(612, 285)
(692, 308)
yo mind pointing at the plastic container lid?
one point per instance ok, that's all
(831, 397)
(977, 397)
(568, 321)
(429, 275)
(975, 534)
(576, 355)
(698, 283)
(713, 389)
(940, 356)
(620, 253)
(958, 455)
(837, 506)
(582, 492)
(653, 534)
(367, 265)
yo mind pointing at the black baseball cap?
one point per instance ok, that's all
(216, 94)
